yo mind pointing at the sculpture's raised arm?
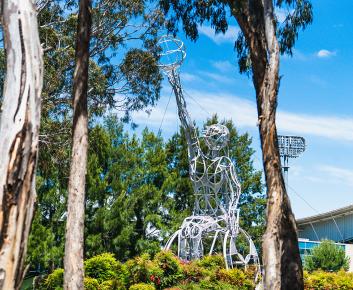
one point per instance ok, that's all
(185, 119)
(170, 58)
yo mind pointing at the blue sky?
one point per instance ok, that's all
(315, 101)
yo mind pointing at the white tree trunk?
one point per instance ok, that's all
(19, 128)
(73, 261)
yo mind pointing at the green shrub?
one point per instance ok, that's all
(104, 267)
(91, 283)
(112, 285)
(193, 272)
(142, 270)
(142, 286)
(236, 277)
(55, 280)
(212, 262)
(205, 285)
(326, 256)
(172, 272)
(320, 280)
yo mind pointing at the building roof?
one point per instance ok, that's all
(326, 215)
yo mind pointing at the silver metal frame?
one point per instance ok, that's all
(215, 219)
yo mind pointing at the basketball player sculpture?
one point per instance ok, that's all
(214, 224)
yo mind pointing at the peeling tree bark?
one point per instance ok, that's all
(73, 261)
(19, 128)
(281, 259)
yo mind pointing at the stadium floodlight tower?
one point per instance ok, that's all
(213, 226)
(289, 147)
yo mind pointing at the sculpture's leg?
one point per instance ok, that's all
(171, 240)
(225, 254)
(213, 242)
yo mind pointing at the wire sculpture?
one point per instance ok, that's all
(214, 224)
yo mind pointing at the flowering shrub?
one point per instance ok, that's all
(142, 270)
(165, 270)
(171, 270)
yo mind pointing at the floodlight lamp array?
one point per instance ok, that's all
(291, 146)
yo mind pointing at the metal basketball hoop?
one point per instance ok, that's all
(172, 55)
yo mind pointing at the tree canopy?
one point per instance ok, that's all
(138, 192)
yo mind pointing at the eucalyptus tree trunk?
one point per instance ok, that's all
(281, 259)
(19, 128)
(73, 261)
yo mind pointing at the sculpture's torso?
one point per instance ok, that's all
(215, 185)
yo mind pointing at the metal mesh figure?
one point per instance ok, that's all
(214, 225)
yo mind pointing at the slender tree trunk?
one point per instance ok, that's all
(19, 128)
(281, 257)
(73, 261)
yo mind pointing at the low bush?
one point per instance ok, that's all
(193, 272)
(212, 262)
(166, 271)
(171, 272)
(112, 285)
(91, 284)
(55, 280)
(320, 280)
(105, 267)
(142, 270)
(236, 277)
(142, 286)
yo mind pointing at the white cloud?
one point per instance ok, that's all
(338, 174)
(229, 37)
(331, 127)
(223, 66)
(218, 77)
(324, 53)
(188, 77)
(244, 114)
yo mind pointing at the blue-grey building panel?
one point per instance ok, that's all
(338, 229)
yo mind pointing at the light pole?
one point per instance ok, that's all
(289, 147)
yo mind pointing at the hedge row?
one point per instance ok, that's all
(165, 271)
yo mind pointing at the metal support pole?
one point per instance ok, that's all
(285, 170)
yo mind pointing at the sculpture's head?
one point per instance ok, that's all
(216, 136)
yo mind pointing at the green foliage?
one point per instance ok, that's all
(194, 13)
(320, 280)
(123, 76)
(142, 270)
(142, 286)
(326, 256)
(171, 270)
(55, 280)
(166, 271)
(104, 267)
(138, 193)
(91, 284)
(212, 262)
(236, 277)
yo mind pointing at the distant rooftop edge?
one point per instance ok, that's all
(326, 215)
